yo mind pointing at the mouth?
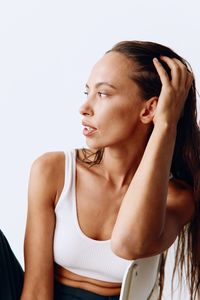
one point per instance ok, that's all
(87, 130)
(90, 128)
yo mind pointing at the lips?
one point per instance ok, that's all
(88, 125)
(89, 129)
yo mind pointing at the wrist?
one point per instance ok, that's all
(165, 131)
(166, 126)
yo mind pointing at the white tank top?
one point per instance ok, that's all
(75, 251)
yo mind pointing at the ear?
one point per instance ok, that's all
(148, 111)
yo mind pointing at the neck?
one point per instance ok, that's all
(120, 163)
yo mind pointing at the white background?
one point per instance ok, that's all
(47, 49)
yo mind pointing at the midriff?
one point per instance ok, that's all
(100, 287)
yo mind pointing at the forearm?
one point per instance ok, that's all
(141, 216)
(37, 290)
(37, 286)
(36, 295)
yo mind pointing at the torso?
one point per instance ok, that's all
(104, 211)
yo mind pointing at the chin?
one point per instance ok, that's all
(94, 146)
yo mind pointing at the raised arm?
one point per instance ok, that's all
(152, 211)
(42, 193)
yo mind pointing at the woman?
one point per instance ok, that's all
(131, 193)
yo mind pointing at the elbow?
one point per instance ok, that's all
(132, 249)
(128, 250)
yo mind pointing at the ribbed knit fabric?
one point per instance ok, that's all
(75, 251)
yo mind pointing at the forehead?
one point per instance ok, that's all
(113, 67)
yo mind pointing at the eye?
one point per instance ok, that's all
(86, 93)
(101, 94)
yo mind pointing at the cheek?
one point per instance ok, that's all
(121, 121)
(127, 116)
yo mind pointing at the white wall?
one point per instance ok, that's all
(47, 49)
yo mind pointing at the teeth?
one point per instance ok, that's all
(89, 128)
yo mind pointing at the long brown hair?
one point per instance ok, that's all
(186, 157)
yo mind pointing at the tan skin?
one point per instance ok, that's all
(133, 179)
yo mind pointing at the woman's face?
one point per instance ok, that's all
(113, 103)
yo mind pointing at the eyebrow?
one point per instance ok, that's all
(102, 83)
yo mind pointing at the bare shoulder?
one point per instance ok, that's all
(48, 163)
(47, 174)
(181, 200)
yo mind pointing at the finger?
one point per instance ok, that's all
(187, 76)
(175, 70)
(189, 81)
(184, 71)
(161, 72)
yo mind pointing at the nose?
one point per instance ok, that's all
(86, 109)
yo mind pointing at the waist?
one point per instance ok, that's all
(70, 279)
(63, 291)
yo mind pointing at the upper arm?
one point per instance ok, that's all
(38, 246)
(180, 209)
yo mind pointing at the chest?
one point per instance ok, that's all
(97, 204)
